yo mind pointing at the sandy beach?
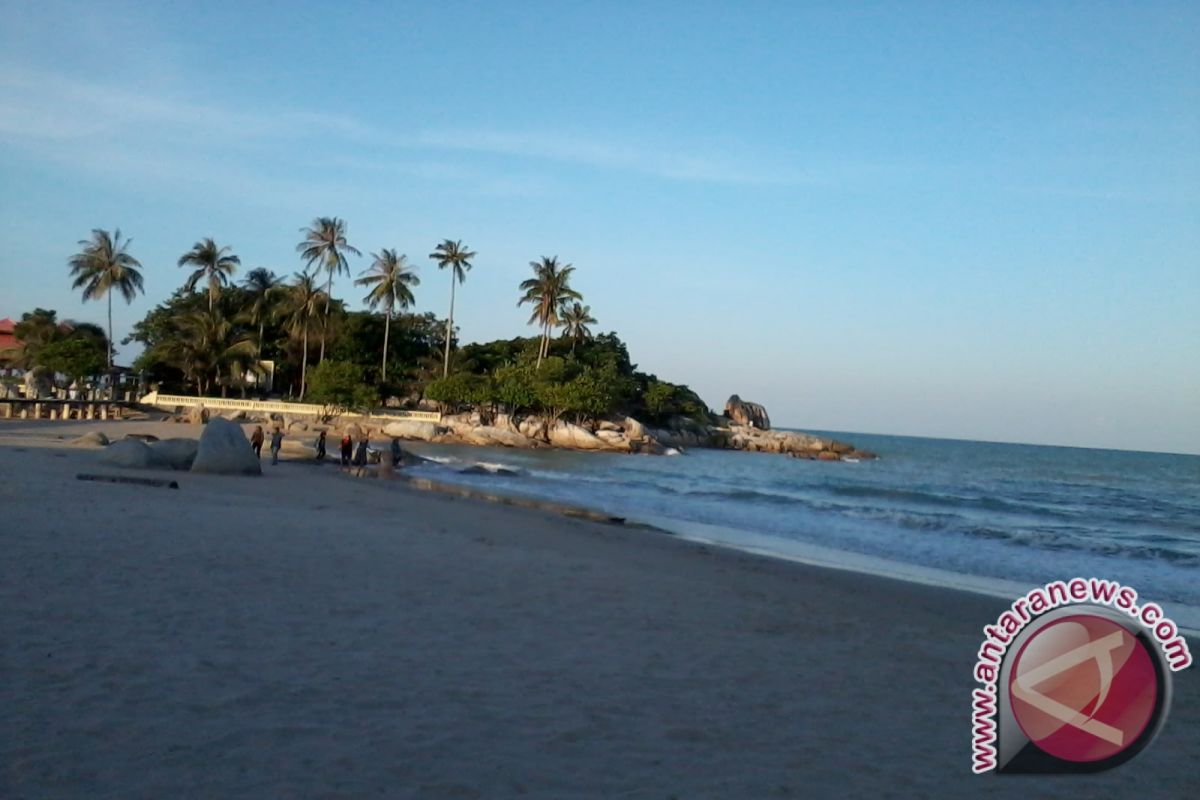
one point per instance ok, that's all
(306, 634)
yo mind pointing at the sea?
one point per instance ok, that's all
(993, 518)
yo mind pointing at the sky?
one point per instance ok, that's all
(967, 220)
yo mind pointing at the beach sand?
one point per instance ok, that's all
(306, 634)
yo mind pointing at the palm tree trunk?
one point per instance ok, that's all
(325, 324)
(387, 325)
(110, 342)
(304, 365)
(449, 328)
(260, 339)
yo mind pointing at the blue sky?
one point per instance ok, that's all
(971, 220)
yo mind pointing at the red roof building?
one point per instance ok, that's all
(9, 344)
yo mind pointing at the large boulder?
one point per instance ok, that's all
(197, 415)
(533, 427)
(128, 453)
(564, 434)
(487, 435)
(634, 429)
(411, 429)
(225, 450)
(174, 453)
(744, 413)
(615, 440)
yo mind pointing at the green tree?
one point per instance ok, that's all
(575, 320)
(341, 387)
(77, 357)
(103, 265)
(212, 264)
(211, 348)
(36, 329)
(452, 254)
(460, 389)
(547, 291)
(390, 279)
(263, 287)
(325, 245)
(301, 308)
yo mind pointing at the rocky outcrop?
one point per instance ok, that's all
(751, 415)
(225, 450)
(197, 415)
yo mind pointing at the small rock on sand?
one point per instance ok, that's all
(92, 439)
(128, 453)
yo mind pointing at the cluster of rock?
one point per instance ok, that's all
(222, 449)
(747, 427)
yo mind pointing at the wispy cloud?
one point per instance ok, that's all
(51, 109)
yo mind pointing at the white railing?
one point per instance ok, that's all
(274, 406)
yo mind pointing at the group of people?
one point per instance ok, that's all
(350, 455)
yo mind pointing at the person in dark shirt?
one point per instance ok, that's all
(347, 449)
(360, 455)
(397, 453)
(321, 447)
(276, 444)
(256, 440)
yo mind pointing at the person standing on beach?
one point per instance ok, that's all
(360, 455)
(397, 453)
(256, 441)
(347, 449)
(321, 447)
(276, 444)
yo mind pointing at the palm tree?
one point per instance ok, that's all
(209, 345)
(214, 264)
(263, 286)
(458, 258)
(103, 265)
(300, 307)
(390, 278)
(325, 243)
(548, 291)
(575, 320)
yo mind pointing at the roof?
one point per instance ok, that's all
(7, 340)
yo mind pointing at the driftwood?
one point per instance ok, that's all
(159, 482)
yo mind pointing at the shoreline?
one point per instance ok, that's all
(297, 635)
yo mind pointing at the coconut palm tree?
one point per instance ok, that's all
(325, 244)
(212, 263)
(104, 264)
(302, 305)
(263, 286)
(390, 278)
(458, 259)
(548, 292)
(210, 347)
(575, 320)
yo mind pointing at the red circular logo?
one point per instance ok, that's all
(1083, 688)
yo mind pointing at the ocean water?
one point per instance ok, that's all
(997, 518)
